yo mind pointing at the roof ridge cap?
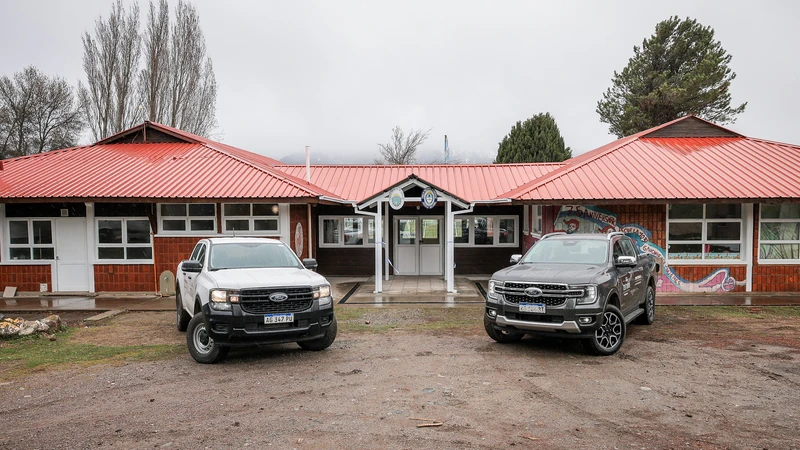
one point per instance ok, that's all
(567, 168)
(280, 175)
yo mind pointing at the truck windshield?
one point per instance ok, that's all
(568, 251)
(251, 256)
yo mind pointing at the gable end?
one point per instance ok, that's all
(691, 127)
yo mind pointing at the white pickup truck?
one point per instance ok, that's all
(251, 291)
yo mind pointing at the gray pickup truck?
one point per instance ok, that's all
(586, 286)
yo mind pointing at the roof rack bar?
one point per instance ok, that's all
(615, 233)
(555, 233)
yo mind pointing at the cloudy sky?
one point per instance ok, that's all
(338, 75)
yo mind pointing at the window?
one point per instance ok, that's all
(704, 232)
(536, 220)
(178, 218)
(347, 231)
(485, 231)
(30, 239)
(779, 232)
(252, 218)
(124, 239)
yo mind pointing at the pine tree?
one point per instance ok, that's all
(681, 69)
(535, 140)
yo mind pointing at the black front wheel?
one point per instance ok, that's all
(501, 336)
(609, 337)
(323, 342)
(202, 348)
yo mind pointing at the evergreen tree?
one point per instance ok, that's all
(679, 70)
(535, 140)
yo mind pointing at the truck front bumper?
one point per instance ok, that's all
(239, 328)
(567, 320)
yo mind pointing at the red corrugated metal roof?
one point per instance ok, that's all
(672, 168)
(472, 182)
(204, 169)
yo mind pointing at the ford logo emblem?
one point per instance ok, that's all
(533, 292)
(279, 297)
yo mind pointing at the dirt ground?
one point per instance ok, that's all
(691, 380)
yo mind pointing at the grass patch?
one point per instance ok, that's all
(37, 353)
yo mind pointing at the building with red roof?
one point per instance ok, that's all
(720, 210)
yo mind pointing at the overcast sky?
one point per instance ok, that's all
(338, 75)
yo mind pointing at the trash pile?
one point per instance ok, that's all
(21, 327)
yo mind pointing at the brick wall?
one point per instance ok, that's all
(25, 278)
(124, 278)
(770, 277)
(169, 251)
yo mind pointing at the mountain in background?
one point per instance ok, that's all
(424, 156)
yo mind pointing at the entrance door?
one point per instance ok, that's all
(430, 246)
(418, 245)
(406, 246)
(72, 257)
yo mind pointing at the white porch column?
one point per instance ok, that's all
(378, 249)
(449, 259)
(388, 238)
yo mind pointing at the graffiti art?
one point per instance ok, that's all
(591, 219)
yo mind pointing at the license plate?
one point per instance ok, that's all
(278, 318)
(531, 307)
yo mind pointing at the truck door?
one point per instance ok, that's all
(189, 279)
(636, 273)
(624, 279)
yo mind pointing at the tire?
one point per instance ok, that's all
(182, 317)
(201, 346)
(323, 342)
(609, 337)
(501, 336)
(649, 307)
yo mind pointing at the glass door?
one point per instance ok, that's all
(430, 246)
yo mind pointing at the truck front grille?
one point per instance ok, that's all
(553, 294)
(256, 301)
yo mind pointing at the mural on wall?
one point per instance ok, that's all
(298, 240)
(591, 219)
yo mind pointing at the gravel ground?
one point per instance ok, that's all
(680, 383)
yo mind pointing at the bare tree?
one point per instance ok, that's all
(154, 78)
(401, 148)
(192, 84)
(37, 113)
(111, 61)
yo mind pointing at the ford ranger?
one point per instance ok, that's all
(250, 291)
(586, 286)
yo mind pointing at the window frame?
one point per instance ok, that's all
(124, 244)
(341, 218)
(187, 218)
(757, 251)
(703, 241)
(251, 221)
(30, 245)
(495, 225)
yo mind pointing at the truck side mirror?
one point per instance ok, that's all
(626, 261)
(191, 265)
(515, 259)
(310, 263)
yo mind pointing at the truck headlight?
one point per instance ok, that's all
(220, 299)
(491, 295)
(589, 295)
(323, 293)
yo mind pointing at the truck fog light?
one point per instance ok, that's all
(585, 320)
(492, 313)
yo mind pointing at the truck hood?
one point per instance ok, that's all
(265, 278)
(550, 273)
